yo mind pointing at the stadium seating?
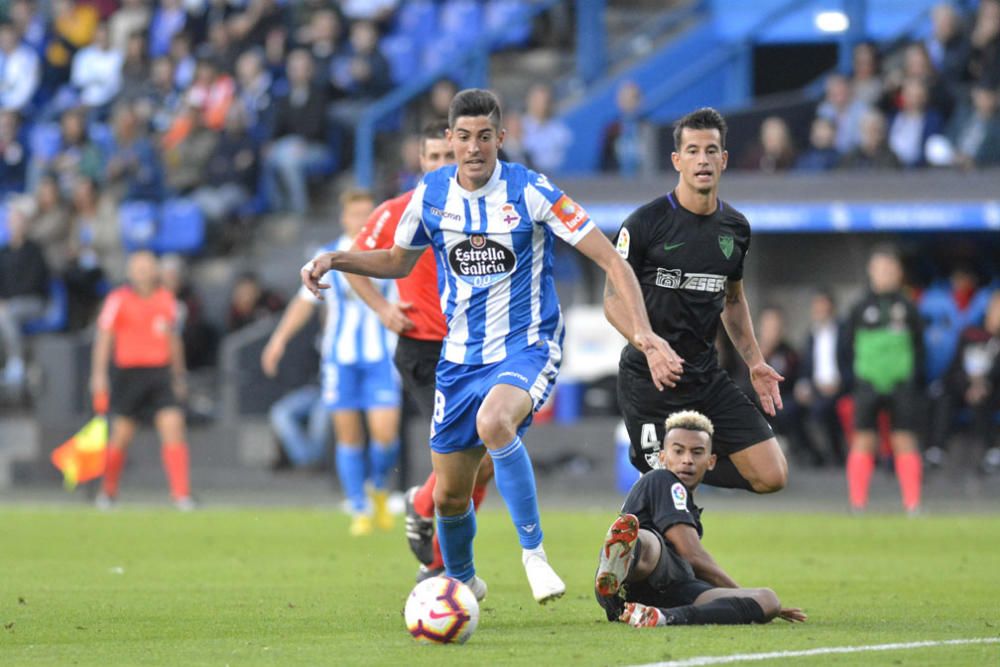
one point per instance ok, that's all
(4, 235)
(137, 220)
(56, 313)
(45, 140)
(181, 228)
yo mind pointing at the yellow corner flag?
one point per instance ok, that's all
(81, 458)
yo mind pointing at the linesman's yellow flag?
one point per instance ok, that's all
(81, 458)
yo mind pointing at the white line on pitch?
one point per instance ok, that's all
(775, 655)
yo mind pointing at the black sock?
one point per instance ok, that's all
(726, 475)
(724, 611)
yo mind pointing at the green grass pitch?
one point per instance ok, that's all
(289, 587)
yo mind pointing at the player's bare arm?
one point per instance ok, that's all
(688, 545)
(298, 312)
(100, 360)
(392, 315)
(396, 262)
(627, 312)
(739, 326)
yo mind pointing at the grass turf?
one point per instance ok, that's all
(289, 587)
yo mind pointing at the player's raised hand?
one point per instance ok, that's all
(313, 271)
(765, 382)
(393, 317)
(665, 365)
(792, 615)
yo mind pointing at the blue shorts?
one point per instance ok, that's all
(461, 389)
(360, 386)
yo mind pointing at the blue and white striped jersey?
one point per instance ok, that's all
(352, 332)
(493, 249)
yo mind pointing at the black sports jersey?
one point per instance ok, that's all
(660, 500)
(682, 261)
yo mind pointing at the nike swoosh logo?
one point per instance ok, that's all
(670, 246)
(437, 615)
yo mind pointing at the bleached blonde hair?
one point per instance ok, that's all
(690, 420)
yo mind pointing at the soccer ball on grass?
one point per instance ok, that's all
(441, 610)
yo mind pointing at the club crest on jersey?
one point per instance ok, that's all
(480, 261)
(726, 245)
(624, 240)
(569, 213)
(680, 496)
(510, 216)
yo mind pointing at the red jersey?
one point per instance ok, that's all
(141, 326)
(420, 288)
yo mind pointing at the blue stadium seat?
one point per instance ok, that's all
(137, 222)
(56, 314)
(102, 136)
(461, 22)
(45, 140)
(417, 18)
(509, 21)
(4, 233)
(181, 229)
(403, 55)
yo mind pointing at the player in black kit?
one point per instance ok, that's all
(653, 569)
(687, 249)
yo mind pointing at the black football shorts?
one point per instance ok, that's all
(903, 403)
(139, 393)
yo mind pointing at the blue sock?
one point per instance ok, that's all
(455, 534)
(351, 471)
(515, 480)
(381, 459)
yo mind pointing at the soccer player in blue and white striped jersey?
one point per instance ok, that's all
(357, 376)
(491, 225)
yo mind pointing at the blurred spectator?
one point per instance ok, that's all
(322, 36)
(433, 106)
(873, 152)
(409, 173)
(948, 46)
(183, 60)
(131, 19)
(887, 346)
(168, 20)
(97, 71)
(825, 373)
(134, 166)
(301, 422)
(77, 154)
(254, 95)
(545, 137)
(199, 337)
(629, 145)
(782, 357)
(840, 108)
(299, 139)
(159, 102)
(821, 155)
(917, 65)
(135, 70)
(212, 91)
(973, 381)
(30, 24)
(14, 156)
(370, 10)
(185, 158)
(361, 74)
(24, 289)
(19, 70)
(913, 124)
(255, 24)
(984, 59)
(513, 138)
(250, 302)
(231, 172)
(73, 26)
(774, 151)
(276, 53)
(866, 80)
(975, 130)
(219, 48)
(50, 225)
(97, 247)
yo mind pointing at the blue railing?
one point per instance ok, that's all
(471, 69)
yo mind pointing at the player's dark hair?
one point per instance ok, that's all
(475, 102)
(705, 118)
(436, 129)
(888, 250)
(826, 292)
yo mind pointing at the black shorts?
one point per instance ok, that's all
(416, 361)
(738, 423)
(671, 583)
(139, 393)
(903, 403)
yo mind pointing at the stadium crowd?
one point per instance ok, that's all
(237, 105)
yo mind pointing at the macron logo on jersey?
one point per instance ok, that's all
(696, 282)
